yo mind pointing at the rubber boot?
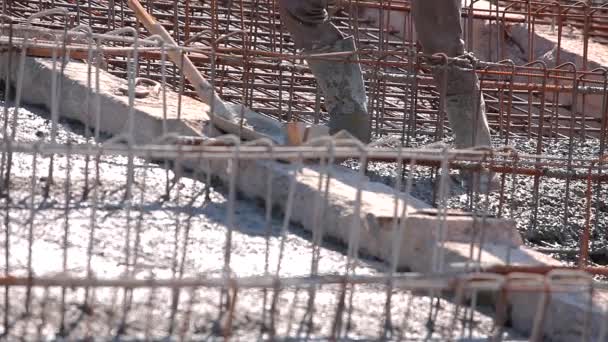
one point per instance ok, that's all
(341, 82)
(438, 29)
(340, 78)
(469, 124)
(466, 109)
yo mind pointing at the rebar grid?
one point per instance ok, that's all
(263, 87)
(88, 255)
(252, 74)
(99, 241)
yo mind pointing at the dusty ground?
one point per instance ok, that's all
(543, 220)
(182, 234)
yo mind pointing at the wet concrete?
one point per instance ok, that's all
(182, 234)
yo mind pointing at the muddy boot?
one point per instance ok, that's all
(439, 31)
(340, 78)
(467, 117)
(341, 81)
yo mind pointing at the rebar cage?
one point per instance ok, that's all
(105, 237)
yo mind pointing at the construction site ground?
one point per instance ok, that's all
(166, 228)
(172, 224)
(518, 197)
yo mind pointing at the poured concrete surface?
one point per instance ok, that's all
(568, 311)
(374, 224)
(186, 220)
(340, 218)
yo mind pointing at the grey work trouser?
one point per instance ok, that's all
(438, 27)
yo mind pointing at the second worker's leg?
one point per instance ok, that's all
(438, 27)
(340, 79)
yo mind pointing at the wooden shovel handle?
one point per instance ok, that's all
(146, 19)
(221, 116)
(202, 87)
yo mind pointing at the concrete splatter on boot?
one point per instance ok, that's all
(439, 30)
(470, 126)
(341, 81)
(340, 78)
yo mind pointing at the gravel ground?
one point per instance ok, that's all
(551, 225)
(182, 234)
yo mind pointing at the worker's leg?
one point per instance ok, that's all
(341, 81)
(438, 27)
